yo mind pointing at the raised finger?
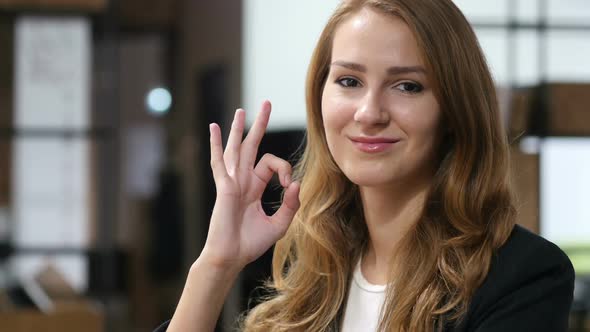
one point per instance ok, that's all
(249, 148)
(232, 149)
(217, 162)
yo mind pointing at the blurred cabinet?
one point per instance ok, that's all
(144, 14)
(70, 318)
(566, 109)
(5, 108)
(525, 175)
(80, 5)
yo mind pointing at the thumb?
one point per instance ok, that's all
(284, 215)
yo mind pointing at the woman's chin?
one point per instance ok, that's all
(370, 180)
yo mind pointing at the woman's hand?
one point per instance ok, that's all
(240, 231)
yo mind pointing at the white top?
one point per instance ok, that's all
(363, 305)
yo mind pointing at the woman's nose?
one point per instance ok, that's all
(370, 111)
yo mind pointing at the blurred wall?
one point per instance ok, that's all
(209, 35)
(279, 38)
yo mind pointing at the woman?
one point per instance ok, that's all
(400, 215)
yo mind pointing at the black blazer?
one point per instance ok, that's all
(529, 288)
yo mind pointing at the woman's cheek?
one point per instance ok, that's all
(418, 117)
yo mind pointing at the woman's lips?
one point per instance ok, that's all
(373, 144)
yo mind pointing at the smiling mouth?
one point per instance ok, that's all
(373, 144)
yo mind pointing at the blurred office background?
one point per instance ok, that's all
(105, 188)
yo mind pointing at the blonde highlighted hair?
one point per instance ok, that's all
(468, 214)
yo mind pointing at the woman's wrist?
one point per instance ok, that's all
(219, 270)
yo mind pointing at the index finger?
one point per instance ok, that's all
(252, 142)
(217, 162)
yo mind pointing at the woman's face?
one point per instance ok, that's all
(380, 114)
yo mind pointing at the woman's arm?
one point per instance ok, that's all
(239, 230)
(205, 291)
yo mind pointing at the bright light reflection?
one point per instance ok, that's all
(159, 101)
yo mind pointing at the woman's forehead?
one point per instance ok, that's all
(369, 35)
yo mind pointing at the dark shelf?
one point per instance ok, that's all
(50, 251)
(56, 133)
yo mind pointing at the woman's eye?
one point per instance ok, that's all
(348, 82)
(410, 87)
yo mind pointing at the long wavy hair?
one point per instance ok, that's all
(468, 214)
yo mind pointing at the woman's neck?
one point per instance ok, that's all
(389, 214)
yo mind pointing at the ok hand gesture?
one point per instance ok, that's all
(240, 231)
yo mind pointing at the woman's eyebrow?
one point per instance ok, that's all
(406, 70)
(350, 65)
(396, 70)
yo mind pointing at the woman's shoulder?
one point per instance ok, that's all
(526, 249)
(526, 259)
(529, 285)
